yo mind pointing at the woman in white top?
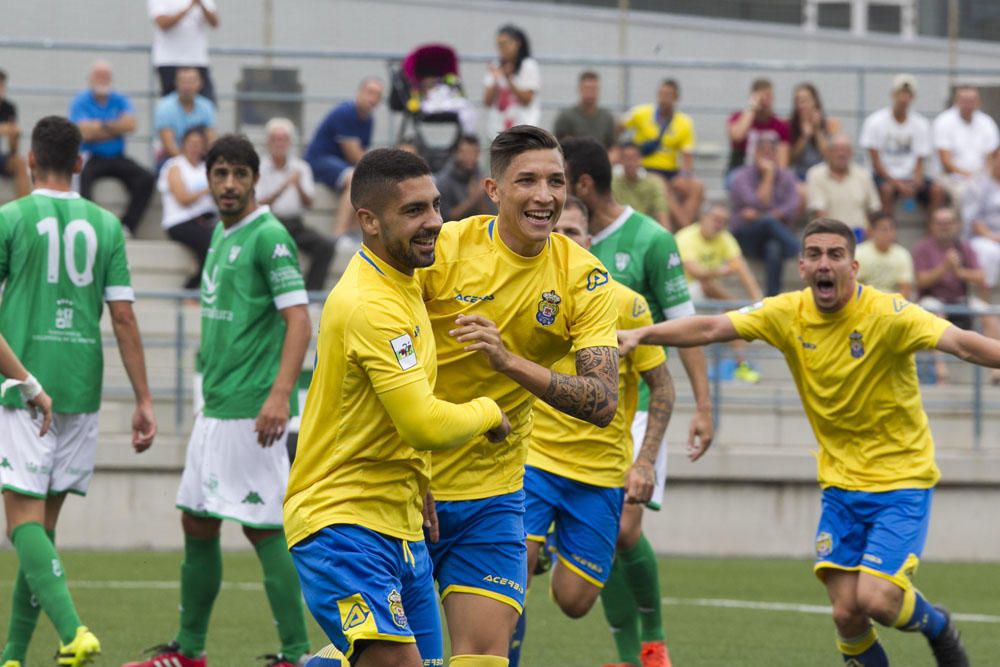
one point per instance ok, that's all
(189, 214)
(512, 84)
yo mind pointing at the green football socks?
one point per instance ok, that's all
(44, 578)
(643, 576)
(201, 578)
(282, 586)
(24, 611)
(621, 613)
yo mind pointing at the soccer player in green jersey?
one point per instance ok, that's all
(61, 256)
(254, 334)
(642, 255)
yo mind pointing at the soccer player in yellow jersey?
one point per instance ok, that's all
(353, 511)
(850, 349)
(506, 301)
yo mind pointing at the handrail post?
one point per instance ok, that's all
(179, 371)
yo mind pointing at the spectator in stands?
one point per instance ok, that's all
(840, 189)
(340, 141)
(965, 138)
(981, 215)
(756, 120)
(634, 186)
(286, 185)
(460, 183)
(180, 39)
(665, 138)
(105, 116)
(180, 111)
(587, 119)
(710, 253)
(189, 214)
(12, 165)
(898, 141)
(884, 264)
(764, 201)
(809, 130)
(511, 86)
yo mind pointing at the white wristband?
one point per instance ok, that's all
(29, 387)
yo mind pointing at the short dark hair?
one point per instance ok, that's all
(761, 84)
(3, 76)
(830, 226)
(55, 143)
(469, 139)
(234, 149)
(673, 84)
(880, 215)
(586, 156)
(588, 75)
(523, 48)
(378, 174)
(519, 139)
(577, 203)
(195, 129)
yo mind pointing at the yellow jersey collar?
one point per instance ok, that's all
(846, 311)
(512, 257)
(382, 267)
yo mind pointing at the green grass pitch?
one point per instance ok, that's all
(711, 611)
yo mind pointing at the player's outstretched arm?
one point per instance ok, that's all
(130, 347)
(273, 416)
(427, 423)
(970, 346)
(641, 477)
(684, 332)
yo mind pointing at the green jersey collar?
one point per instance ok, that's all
(614, 226)
(259, 211)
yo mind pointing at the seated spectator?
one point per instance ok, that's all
(512, 83)
(460, 183)
(981, 215)
(340, 141)
(883, 263)
(105, 116)
(965, 138)
(634, 186)
(587, 119)
(180, 111)
(756, 120)
(665, 138)
(12, 165)
(841, 189)
(764, 201)
(709, 253)
(286, 185)
(898, 141)
(180, 39)
(189, 214)
(809, 130)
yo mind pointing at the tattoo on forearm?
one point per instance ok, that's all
(661, 407)
(591, 394)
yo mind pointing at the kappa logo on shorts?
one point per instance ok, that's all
(824, 544)
(396, 608)
(253, 498)
(406, 354)
(6, 464)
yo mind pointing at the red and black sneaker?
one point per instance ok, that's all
(168, 655)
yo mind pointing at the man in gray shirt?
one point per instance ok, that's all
(587, 119)
(460, 183)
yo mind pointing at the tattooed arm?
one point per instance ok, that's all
(641, 477)
(590, 395)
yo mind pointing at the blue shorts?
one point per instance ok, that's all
(361, 585)
(482, 549)
(586, 519)
(879, 533)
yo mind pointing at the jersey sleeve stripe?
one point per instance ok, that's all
(289, 299)
(119, 293)
(685, 309)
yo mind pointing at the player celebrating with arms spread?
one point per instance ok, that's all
(60, 256)
(850, 349)
(361, 473)
(506, 301)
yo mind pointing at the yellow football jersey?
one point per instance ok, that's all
(576, 449)
(543, 306)
(857, 379)
(678, 139)
(710, 254)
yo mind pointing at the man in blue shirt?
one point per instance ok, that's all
(340, 141)
(181, 110)
(104, 117)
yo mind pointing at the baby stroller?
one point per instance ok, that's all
(427, 90)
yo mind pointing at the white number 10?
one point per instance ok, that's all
(50, 227)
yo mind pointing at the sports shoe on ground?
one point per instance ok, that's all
(80, 651)
(168, 655)
(947, 646)
(746, 373)
(278, 660)
(654, 654)
(12, 663)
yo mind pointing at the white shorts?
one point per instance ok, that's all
(638, 434)
(228, 475)
(61, 461)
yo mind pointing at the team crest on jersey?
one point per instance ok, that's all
(281, 250)
(824, 544)
(548, 308)
(234, 252)
(209, 285)
(622, 260)
(406, 354)
(396, 609)
(857, 345)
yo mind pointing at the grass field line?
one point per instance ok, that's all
(794, 607)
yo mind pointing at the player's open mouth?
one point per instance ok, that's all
(825, 288)
(424, 243)
(541, 218)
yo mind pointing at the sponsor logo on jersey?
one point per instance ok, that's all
(416, 331)
(899, 304)
(674, 260)
(405, 353)
(209, 285)
(64, 314)
(622, 260)
(396, 609)
(253, 498)
(548, 308)
(503, 581)
(857, 345)
(752, 307)
(470, 298)
(596, 278)
(805, 345)
(281, 250)
(4, 463)
(234, 252)
(824, 544)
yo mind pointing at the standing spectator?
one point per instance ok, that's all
(764, 201)
(634, 186)
(104, 117)
(180, 111)
(587, 119)
(810, 130)
(898, 141)
(340, 141)
(12, 165)
(512, 84)
(841, 189)
(189, 214)
(460, 183)
(180, 39)
(757, 120)
(965, 138)
(883, 263)
(286, 185)
(981, 215)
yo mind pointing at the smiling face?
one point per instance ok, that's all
(529, 195)
(404, 232)
(827, 267)
(232, 187)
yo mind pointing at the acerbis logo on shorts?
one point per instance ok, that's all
(503, 581)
